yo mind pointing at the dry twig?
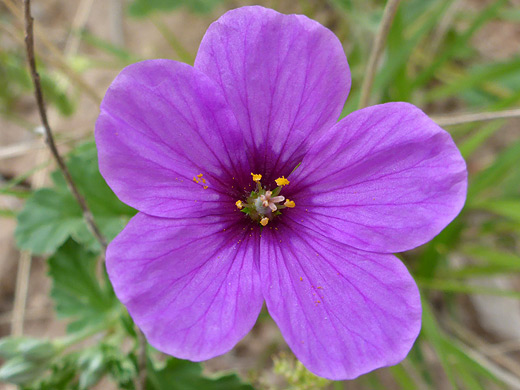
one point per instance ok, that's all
(141, 361)
(49, 139)
(20, 296)
(503, 367)
(450, 120)
(377, 50)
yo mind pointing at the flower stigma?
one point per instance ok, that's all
(262, 205)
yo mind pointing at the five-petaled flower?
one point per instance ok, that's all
(207, 154)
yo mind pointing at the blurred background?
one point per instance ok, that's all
(445, 56)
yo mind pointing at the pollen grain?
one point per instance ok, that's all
(282, 181)
(289, 203)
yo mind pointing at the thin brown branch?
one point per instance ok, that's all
(450, 120)
(141, 361)
(377, 50)
(49, 139)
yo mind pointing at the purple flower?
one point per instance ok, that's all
(228, 218)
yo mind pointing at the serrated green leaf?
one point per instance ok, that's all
(20, 371)
(51, 215)
(185, 375)
(9, 346)
(36, 350)
(94, 368)
(75, 289)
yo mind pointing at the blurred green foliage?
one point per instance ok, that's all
(141, 8)
(15, 82)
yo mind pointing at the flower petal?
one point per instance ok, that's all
(161, 124)
(285, 76)
(344, 312)
(384, 179)
(192, 286)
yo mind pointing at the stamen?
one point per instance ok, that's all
(289, 203)
(282, 181)
(263, 205)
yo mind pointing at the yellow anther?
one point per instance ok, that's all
(264, 221)
(199, 175)
(239, 204)
(205, 187)
(195, 179)
(256, 177)
(281, 181)
(289, 203)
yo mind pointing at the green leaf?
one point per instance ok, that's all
(493, 256)
(433, 334)
(488, 179)
(94, 367)
(509, 208)
(474, 78)
(458, 45)
(118, 52)
(402, 377)
(185, 375)
(412, 37)
(75, 289)
(36, 350)
(61, 375)
(9, 346)
(463, 358)
(20, 371)
(472, 143)
(51, 215)
(457, 286)
(435, 251)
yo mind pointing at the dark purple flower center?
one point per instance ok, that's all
(263, 205)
